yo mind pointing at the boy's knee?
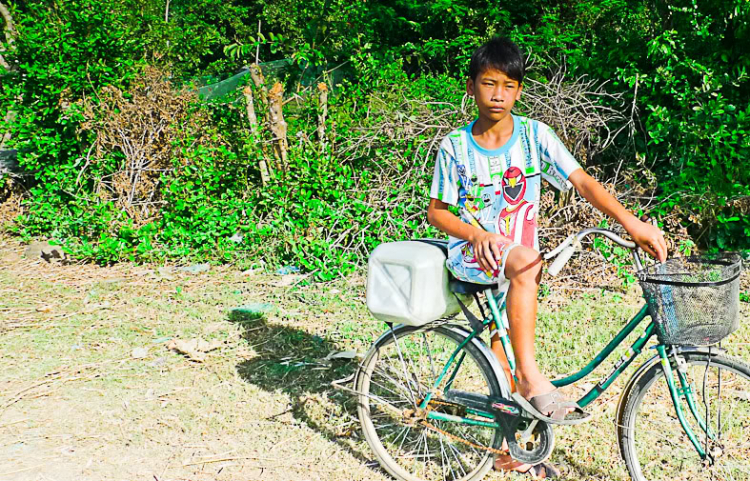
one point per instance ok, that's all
(524, 265)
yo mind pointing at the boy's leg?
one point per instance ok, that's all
(497, 349)
(505, 462)
(527, 280)
(523, 268)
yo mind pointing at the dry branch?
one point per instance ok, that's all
(578, 110)
(146, 127)
(322, 113)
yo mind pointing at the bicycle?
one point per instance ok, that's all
(435, 404)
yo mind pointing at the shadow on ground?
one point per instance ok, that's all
(294, 361)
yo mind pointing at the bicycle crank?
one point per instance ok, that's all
(529, 440)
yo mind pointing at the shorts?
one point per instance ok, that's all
(464, 267)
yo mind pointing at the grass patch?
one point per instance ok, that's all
(259, 406)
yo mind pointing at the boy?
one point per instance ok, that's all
(492, 170)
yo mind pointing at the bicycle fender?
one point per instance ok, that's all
(646, 367)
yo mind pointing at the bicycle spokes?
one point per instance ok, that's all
(704, 390)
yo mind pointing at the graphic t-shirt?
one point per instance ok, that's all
(499, 189)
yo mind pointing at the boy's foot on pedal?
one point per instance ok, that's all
(552, 408)
(542, 400)
(554, 405)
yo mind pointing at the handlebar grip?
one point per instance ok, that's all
(563, 258)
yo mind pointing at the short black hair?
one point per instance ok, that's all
(499, 53)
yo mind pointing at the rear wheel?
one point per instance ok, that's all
(396, 374)
(652, 440)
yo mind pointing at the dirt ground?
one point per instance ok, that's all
(90, 391)
(93, 389)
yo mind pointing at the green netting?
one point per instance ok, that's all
(9, 162)
(209, 89)
(220, 89)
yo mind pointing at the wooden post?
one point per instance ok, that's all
(277, 124)
(10, 116)
(253, 119)
(260, 83)
(256, 74)
(322, 113)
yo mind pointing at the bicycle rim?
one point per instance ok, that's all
(657, 446)
(395, 377)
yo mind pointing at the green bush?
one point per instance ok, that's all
(688, 64)
(683, 65)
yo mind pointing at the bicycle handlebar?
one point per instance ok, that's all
(573, 243)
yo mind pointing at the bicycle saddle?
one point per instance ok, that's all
(461, 287)
(455, 285)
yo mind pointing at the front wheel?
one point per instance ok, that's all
(394, 378)
(652, 440)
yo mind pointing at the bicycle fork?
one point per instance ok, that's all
(685, 390)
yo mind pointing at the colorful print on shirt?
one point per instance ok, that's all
(498, 189)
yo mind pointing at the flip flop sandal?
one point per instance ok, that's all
(543, 471)
(556, 405)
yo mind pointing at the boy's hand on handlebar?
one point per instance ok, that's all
(486, 250)
(650, 238)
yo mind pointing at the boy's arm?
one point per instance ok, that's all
(486, 250)
(647, 236)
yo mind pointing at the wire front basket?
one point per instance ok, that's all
(693, 300)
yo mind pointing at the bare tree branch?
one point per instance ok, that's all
(579, 109)
(10, 27)
(149, 126)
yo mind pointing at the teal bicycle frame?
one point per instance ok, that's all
(684, 391)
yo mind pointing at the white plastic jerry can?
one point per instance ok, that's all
(407, 283)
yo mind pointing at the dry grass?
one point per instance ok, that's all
(75, 404)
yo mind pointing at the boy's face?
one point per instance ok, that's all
(494, 93)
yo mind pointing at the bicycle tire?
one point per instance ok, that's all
(654, 444)
(395, 372)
